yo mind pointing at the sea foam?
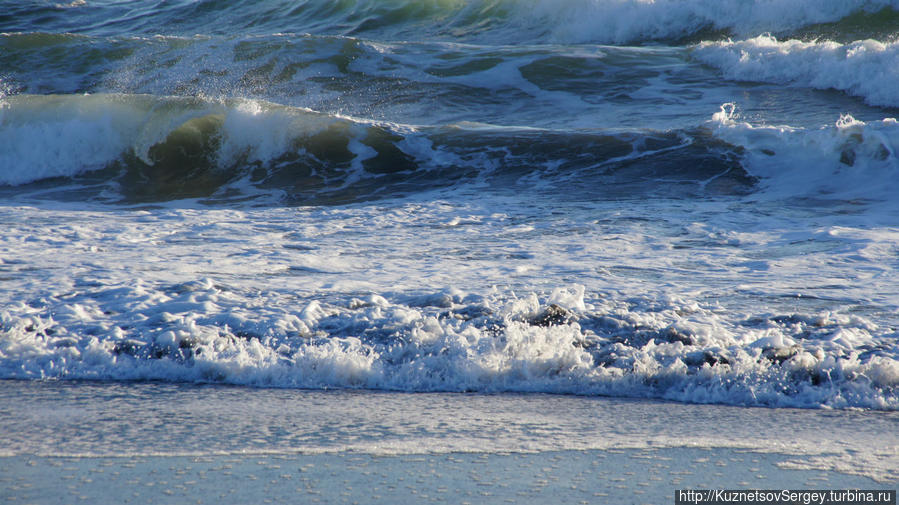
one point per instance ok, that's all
(42, 137)
(673, 349)
(848, 160)
(868, 69)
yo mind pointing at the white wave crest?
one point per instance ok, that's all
(849, 160)
(868, 69)
(44, 136)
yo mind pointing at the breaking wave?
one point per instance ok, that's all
(868, 69)
(850, 160)
(140, 148)
(565, 341)
(148, 149)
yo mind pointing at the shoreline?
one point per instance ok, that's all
(97, 420)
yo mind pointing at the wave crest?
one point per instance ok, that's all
(145, 148)
(868, 68)
(850, 160)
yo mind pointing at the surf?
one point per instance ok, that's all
(565, 341)
(156, 149)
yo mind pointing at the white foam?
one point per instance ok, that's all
(439, 355)
(867, 69)
(43, 137)
(67, 135)
(848, 160)
(308, 333)
(711, 302)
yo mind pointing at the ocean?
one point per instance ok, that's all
(643, 205)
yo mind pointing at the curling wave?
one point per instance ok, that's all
(144, 149)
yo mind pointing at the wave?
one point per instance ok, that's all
(636, 21)
(489, 21)
(344, 75)
(432, 83)
(868, 68)
(565, 341)
(141, 148)
(544, 86)
(850, 160)
(861, 25)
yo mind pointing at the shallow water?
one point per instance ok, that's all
(621, 476)
(94, 423)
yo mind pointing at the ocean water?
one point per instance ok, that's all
(690, 201)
